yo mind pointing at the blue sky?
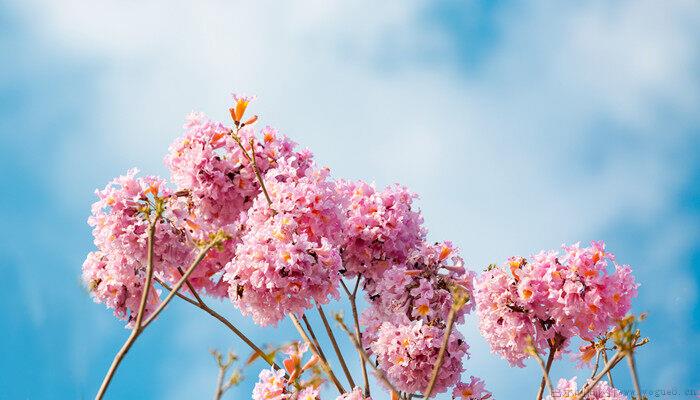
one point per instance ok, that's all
(521, 125)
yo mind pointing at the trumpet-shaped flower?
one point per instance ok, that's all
(474, 390)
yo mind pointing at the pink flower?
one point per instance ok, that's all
(308, 393)
(356, 394)
(552, 297)
(406, 319)
(474, 390)
(116, 272)
(567, 389)
(408, 353)
(271, 385)
(289, 257)
(217, 184)
(419, 289)
(382, 228)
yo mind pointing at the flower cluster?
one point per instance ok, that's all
(407, 354)
(115, 273)
(277, 385)
(568, 389)
(406, 319)
(381, 226)
(213, 164)
(474, 390)
(212, 167)
(289, 255)
(281, 235)
(356, 394)
(551, 298)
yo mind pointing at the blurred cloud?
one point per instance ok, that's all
(521, 125)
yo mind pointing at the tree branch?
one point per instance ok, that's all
(137, 329)
(324, 364)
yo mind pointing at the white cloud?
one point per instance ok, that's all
(506, 159)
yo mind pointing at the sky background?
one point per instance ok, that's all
(521, 125)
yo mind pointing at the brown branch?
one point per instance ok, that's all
(257, 173)
(338, 353)
(178, 285)
(358, 333)
(203, 306)
(608, 366)
(605, 359)
(191, 288)
(324, 364)
(313, 337)
(545, 370)
(138, 328)
(379, 373)
(597, 363)
(633, 372)
(441, 353)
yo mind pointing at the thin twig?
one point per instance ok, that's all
(178, 294)
(203, 306)
(441, 353)
(313, 337)
(608, 366)
(338, 353)
(605, 359)
(138, 328)
(192, 289)
(379, 373)
(633, 372)
(324, 364)
(224, 366)
(358, 333)
(178, 285)
(597, 363)
(235, 137)
(219, 384)
(546, 369)
(257, 173)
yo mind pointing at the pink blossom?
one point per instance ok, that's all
(115, 273)
(408, 353)
(474, 390)
(551, 297)
(567, 389)
(356, 394)
(308, 393)
(382, 227)
(419, 289)
(271, 385)
(289, 255)
(218, 185)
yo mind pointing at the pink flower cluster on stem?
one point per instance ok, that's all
(289, 255)
(552, 298)
(407, 314)
(115, 273)
(382, 228)
(567, 389)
